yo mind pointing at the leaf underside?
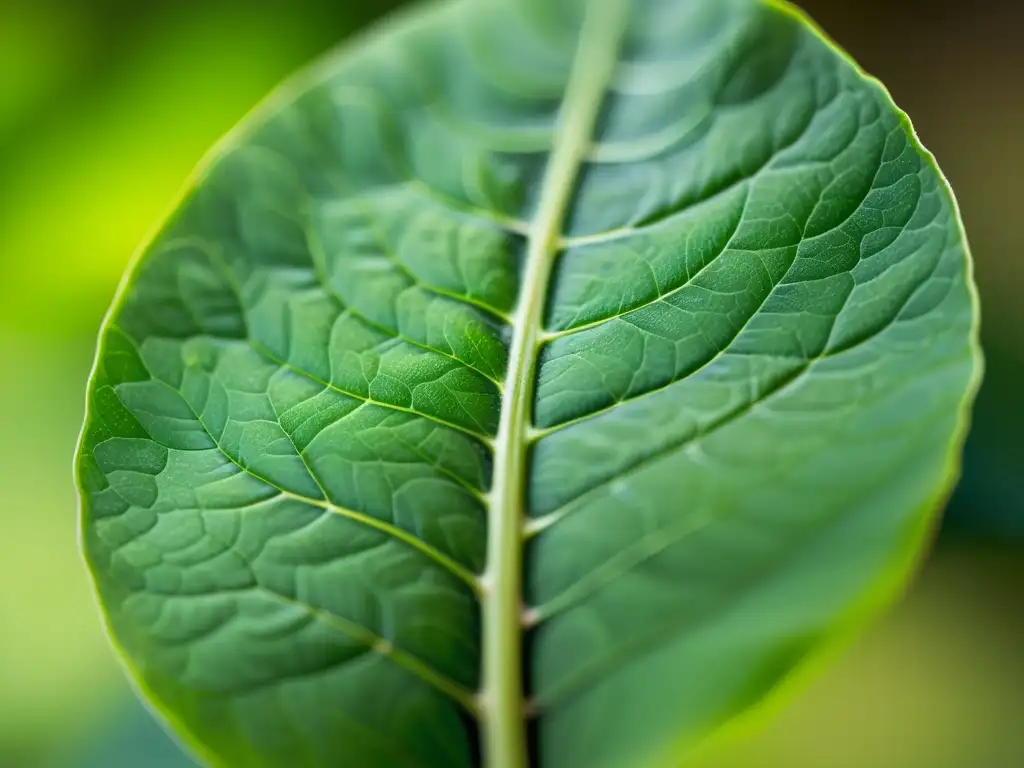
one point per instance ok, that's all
(531, 381)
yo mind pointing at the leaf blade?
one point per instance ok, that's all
(708, 308)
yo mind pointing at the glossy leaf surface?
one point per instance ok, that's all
(529, 382)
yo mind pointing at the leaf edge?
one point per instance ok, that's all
(892, 584)
(875, 599)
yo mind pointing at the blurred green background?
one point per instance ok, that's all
(106, 105)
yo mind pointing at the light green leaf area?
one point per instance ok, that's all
(531, 382)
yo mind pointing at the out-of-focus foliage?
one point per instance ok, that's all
(106, 105)
(100, 126)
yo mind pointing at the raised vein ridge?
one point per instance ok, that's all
(502, 707)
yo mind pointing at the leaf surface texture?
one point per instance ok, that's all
(527, 382)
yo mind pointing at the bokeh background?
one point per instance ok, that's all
(106, 105)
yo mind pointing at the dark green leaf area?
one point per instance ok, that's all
(743, 405)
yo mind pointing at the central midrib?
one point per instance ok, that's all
(502, 711)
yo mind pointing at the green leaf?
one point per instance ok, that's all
(530, 382)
